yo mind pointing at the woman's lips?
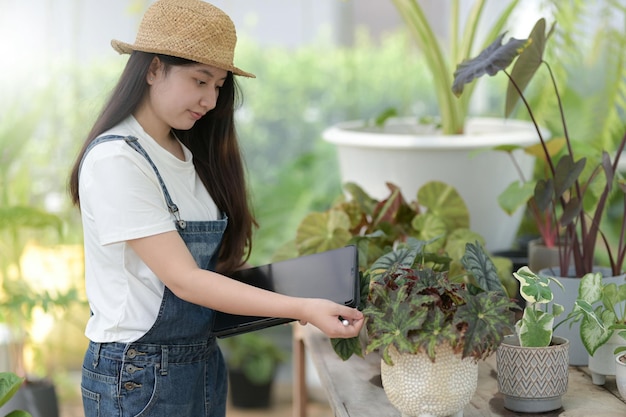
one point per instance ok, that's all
(196, 116)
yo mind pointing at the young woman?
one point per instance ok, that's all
(160, 186)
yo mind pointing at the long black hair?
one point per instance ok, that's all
(212, 141)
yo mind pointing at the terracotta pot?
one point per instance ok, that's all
(417, 386)
(532, 379)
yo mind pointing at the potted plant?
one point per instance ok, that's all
(457, 150)
(600, 309)
(532, 365)
(430, 330)
(438, 215)
(576, 190)
(252, 360)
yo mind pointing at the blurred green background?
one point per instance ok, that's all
(341, 70)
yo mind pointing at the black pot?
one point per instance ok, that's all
(246, 394)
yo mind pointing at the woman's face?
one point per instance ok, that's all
(179, 97)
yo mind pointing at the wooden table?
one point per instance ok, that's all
(354, 388)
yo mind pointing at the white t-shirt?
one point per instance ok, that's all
(121, 199)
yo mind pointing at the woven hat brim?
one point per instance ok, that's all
(126, 48)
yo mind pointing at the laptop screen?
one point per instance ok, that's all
(332, 275)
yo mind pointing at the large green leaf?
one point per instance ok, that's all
(590, 288)
(534, 288)
(481, 316)
(479, 264)
(527, 64)
(593, 335)
(516, 195)
(319, 232)
(392, 321)
(535, 328)
(9, 384)
(345, 348)
(444, 200)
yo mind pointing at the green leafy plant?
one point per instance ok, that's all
(575, 204)
(536, 326)
(600, 308)
(438, 215)
(440, 57)
(253, 354)
(414, 306)
(374, 226)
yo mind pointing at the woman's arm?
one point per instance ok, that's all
(168, 257)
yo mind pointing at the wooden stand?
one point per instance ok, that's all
(353, 387)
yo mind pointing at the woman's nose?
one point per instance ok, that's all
(209, 100)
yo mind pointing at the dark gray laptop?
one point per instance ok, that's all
(333, 275)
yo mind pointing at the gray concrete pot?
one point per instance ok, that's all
(532, 379)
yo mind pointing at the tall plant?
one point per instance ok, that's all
(575, 204)
(440, 57)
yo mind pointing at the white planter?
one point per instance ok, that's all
(410, 155)
(578, 355)
(602, 362)
(620, 375)
(417, 386)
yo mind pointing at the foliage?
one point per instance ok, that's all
(253, 354)
(9, 384)
(536, 326)
(575, 206)
(600, 310)
(452, 112)
(415, 307)
(374, 226)
(21, 221)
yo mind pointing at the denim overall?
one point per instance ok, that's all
(176, 368)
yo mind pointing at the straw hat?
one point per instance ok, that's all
(190, 29)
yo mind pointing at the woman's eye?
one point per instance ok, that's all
(200, 82)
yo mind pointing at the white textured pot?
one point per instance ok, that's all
(578, 355)
(620, 374)
(532, 379)
(410, 155)
(417, 386)
(602, 362)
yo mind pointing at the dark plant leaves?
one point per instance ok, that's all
(494, 58)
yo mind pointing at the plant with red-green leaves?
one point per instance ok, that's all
(416, 307)
(567, 207)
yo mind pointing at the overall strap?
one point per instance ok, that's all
(133, 142)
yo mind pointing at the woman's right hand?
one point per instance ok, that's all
(330, 317)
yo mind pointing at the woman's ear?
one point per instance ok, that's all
(153, 70)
